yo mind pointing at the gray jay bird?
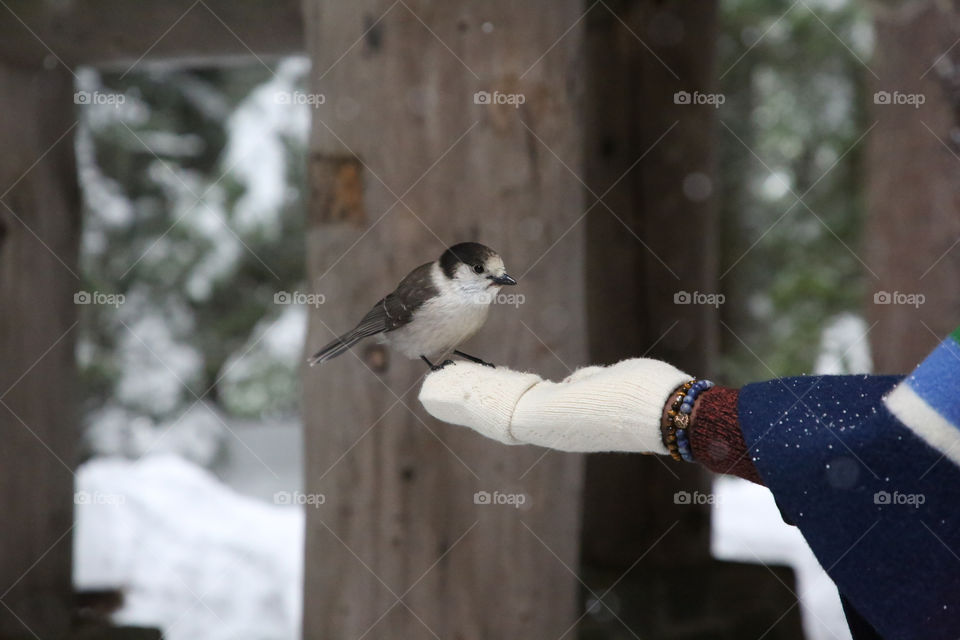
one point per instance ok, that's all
(438, 306)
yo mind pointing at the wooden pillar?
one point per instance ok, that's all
(631, 113)
(39, 230)
(120, 34)
(400, 119)
(912, 232)
(654, 160)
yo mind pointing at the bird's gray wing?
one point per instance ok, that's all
(388, 314)
(391, 312)
(412, 292)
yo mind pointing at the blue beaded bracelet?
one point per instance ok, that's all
(679, 414)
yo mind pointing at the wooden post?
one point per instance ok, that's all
(400, 119)
(913, 165)
(39, 231)
(631, 113)
(39, 238)
(656, 238)
(118, 33)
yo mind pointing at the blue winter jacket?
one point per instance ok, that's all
(868, 467)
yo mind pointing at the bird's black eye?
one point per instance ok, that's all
(478, 268)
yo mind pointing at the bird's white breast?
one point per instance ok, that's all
(445, 321)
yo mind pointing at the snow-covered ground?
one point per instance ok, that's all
(198, 559)
(747, 527)
(194, 557)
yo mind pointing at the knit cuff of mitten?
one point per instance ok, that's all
(614, 408)
(475, 396)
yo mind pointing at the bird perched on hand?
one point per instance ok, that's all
(437, 307)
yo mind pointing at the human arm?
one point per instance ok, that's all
(621, 407)
(872, 488)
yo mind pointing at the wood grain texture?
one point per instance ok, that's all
(649, 242)
(656, 237)
(400, 511)
(913, 194)
(38, 421)
(119, 32)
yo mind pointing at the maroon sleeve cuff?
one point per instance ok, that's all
(716, 440)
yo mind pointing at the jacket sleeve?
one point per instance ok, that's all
(927, 402)
(716, 438)
(870, 485)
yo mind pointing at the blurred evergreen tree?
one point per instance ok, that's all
(794, 78)
(165, 176)
(164, 222)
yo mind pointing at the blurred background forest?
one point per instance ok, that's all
(197, 295)
(799, 102)
(194, 185)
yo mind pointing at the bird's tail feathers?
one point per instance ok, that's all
(336, 347)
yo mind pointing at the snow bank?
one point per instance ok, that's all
(193, 557)
(747, 527)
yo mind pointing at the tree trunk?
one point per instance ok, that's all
(657, 242)
(657, 238)
(39, 231)
(913, 229)
(399, 519)
(119, 34)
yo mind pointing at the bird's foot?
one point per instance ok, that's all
(437, 367)
(474, 359)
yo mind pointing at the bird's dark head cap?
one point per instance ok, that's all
(469, 253)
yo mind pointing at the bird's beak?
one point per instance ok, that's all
(503, 280)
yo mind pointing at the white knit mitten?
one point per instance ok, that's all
(615, 408)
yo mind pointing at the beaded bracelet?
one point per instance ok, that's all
(677, 437)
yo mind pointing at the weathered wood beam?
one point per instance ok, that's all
(661, 158)
(913, 226)
(631, 113)
(39, 430)
(399, 518)
(121, 32)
